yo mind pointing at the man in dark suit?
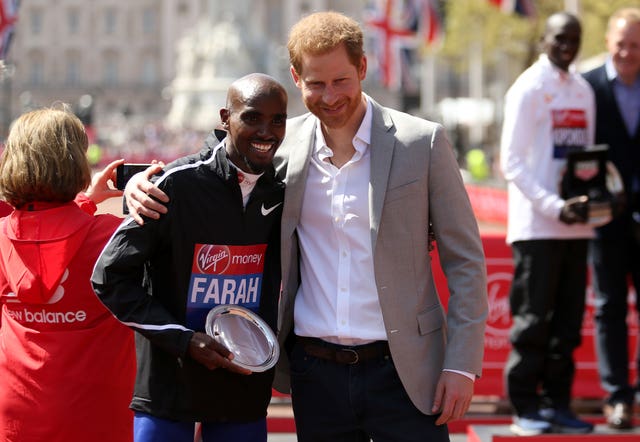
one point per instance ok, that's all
(615, 251)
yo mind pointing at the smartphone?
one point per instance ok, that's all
(125, 171)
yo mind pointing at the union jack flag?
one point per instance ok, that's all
(525, 8)
(8, 17)
(398, 28)
(431, 23)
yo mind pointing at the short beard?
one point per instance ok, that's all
(256, 170)
(253, 168)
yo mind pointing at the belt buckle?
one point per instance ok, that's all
(347, 356)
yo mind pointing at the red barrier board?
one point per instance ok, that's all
(497, 346)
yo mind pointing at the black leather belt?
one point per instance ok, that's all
(341, 354)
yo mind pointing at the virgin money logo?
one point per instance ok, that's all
(569, 118)
(213, 259)
(499, 278)
(499, 319)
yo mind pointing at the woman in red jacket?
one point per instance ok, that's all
(66, 364)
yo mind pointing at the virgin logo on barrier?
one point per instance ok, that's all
(499, 262)
(499, 319)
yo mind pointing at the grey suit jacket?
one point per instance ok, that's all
(414, 179)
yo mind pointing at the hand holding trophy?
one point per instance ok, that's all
(591, 187)
(251, 343)
(212, 354)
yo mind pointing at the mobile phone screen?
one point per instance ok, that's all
(124, 172)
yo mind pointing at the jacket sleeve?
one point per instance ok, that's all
(119, 281)
(517, 147)
(86, 204)
(461, 257)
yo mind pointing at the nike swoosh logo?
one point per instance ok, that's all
(266, 211)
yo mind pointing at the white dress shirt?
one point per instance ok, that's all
(337, 300)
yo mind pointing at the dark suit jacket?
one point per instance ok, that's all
(414, 178)
(624, 149)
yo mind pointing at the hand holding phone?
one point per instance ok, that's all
(125, 171)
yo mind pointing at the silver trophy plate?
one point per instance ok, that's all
(245, 335)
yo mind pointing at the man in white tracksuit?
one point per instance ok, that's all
(549, 111)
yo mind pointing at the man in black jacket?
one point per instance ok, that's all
(615, 252)
(218, 244)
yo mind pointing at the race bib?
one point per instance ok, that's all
(569, 130)
(224, 274)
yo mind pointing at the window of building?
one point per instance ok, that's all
(73, 71)
(148, 71)
(35, 21)
(149, 21)
(111, 71)
(73, 21)
(110, 21)
(36, 72)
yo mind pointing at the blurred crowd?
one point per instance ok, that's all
(141, 143)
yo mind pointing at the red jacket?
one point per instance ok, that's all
(66, 364)
(5, 209)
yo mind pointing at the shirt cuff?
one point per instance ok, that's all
(463, 373)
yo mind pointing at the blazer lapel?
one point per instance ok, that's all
(301, 145)
(382, 147)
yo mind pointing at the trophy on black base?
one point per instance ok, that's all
(589, 173)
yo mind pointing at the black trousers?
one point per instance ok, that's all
(547, 300)
(335, 402)
(614, 260)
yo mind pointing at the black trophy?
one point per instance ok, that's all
(586, 174)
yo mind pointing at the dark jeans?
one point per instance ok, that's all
(355, 403)
(613, 261)
(547, 301)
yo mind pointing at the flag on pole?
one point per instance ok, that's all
(393, 30)
(431, 23)
(8, 17)
(525, 8)
(398, 28)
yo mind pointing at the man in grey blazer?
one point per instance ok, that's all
(368, 350)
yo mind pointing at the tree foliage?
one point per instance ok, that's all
(479, 25)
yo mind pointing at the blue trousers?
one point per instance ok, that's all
(147, 428)
(355, 403)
